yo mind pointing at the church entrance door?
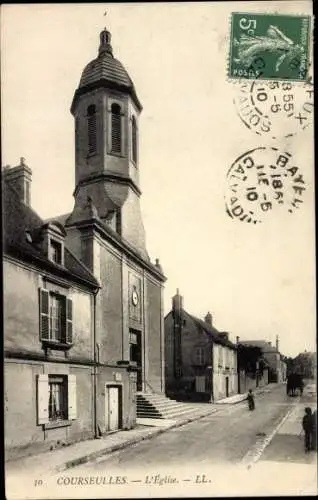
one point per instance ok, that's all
(136, 354)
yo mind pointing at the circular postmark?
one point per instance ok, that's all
(275, 109)
(262, 180)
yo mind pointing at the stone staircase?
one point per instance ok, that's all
(158, 406)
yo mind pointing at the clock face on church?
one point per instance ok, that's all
(135, 297)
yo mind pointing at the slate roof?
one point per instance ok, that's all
(18, 219)
(108, 68)
(211, 331)
(89, 213)
(260, 343)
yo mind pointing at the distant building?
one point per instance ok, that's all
(305, 363)
(252, 367)
(276, 366)
(201, 362)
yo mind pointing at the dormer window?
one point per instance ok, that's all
(53, 236)
(55, 251)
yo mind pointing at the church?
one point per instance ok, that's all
(105, 229)
(83, 302)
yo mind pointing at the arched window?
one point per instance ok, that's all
(134, 139)
(91, 129)
(116, 128)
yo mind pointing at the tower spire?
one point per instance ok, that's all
(105, 45)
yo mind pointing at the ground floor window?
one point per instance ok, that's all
(57, 398)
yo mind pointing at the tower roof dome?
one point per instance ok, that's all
(106, 71)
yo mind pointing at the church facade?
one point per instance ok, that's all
(105, 229)
(87, 272)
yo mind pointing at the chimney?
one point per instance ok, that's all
(208, 319)
(158, 265)
(225, 335)
(237, 339)
(177, 302)
(277, 342)
(19, 178)
(269, 343)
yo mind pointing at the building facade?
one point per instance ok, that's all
(252, 367)
(201, 362)
(105, 229)
(88, 272)
(48, 328)
(277, 368)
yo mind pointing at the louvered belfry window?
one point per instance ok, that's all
(116, 128)
(134, 139)
(91, 129)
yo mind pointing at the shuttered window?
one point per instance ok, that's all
(116, 131)
(91, 129)
(134, 139)
(56, 398)
(56, 317)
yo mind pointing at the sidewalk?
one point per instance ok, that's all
(64, 458)
(285, 459)
(238, 398)
(82, 452)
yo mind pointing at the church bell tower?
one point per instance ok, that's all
(106, 110)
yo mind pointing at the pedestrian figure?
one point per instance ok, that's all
(308, 429)
(250, 399)
(314, 430)
(301, 386)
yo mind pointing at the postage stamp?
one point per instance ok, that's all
(269, 47)
(262, 180)
(275, 109)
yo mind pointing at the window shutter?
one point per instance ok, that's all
(134, 139)
(69, 321)
(92, 136)
(116, 128)
(71, 380)
(43, 399)
(44, 313)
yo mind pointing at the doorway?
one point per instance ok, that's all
(226, 387)
(113, 406)
(136, 354)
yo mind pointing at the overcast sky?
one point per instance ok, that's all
(256, 280)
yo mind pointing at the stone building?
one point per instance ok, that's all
(252, 368)
(201, 362)
(277, 368)
(49, 301)
(105, 229)
(117, 313)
